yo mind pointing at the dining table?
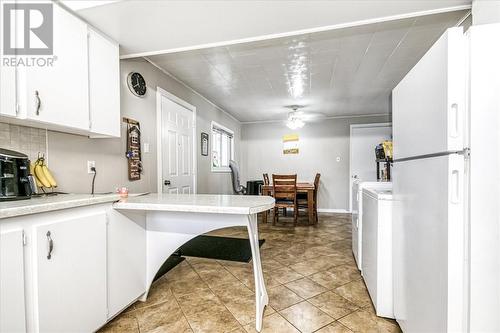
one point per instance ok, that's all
(302, 187)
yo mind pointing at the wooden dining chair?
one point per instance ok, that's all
(285, 195)
(266, 182)
(266, 178)
(316, 188)
(302, 200)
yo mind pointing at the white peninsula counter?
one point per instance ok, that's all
(171, 220)
(70, 263)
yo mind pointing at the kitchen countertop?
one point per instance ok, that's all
(198, 203)
(51, 203)
(201, 203)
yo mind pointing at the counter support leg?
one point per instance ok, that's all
(261, 297)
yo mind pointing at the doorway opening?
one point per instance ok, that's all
(362, 142)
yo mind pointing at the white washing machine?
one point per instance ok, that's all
(377, 249)
(357, 214)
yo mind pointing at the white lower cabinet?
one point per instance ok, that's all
(70, 270)
(126, 260)
(70, 274)
(12, 304)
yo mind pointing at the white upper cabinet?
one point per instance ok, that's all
(76, 90)
(7, 83)
(104, 85)
(58, 94)
(8, 91)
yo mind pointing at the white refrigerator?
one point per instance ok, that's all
(446, 239)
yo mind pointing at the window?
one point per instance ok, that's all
(222, 148)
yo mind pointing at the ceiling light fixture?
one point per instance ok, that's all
(295, 120)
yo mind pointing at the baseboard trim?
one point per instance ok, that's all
(330, 210)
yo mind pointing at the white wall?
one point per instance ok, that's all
(68, 154)
(485, 11)
(320, 143)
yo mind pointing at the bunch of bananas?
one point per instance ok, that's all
(42, 174)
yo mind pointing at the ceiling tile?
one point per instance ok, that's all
(340, 72)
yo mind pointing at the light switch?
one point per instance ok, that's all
(146, 147)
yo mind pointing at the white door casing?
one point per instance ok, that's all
(176, 128)
(363, 139)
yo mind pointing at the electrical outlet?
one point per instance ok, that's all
(90, 165)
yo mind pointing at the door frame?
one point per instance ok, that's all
(159, 163)
(351, 127)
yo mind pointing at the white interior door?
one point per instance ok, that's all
(364, 138)
(177, 147)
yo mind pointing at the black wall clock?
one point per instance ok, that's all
(136, 84)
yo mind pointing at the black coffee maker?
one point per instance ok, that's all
(15, 183)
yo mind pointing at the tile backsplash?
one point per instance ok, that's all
(27, 140)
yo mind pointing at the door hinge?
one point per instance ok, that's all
(90, 124)
(17, 108)
(107, 219)
(24, 239)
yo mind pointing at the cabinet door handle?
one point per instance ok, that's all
(50, 246)
(38, 103)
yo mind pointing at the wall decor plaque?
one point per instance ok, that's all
(204, 144)
(133, 149)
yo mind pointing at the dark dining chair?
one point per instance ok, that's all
(235, 179)
(285, 195)
(302, 200)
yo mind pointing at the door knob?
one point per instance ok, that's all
(166, 182)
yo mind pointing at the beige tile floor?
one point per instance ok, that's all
(310, 275)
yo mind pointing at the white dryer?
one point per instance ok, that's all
(357, 214)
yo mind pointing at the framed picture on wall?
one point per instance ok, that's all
(204, 144)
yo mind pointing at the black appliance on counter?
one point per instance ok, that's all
(254, 187)
(14, 176)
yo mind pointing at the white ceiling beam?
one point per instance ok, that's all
(146, 28)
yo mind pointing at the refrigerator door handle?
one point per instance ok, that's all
(454, 120)
(455, 186)
(456, 180)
